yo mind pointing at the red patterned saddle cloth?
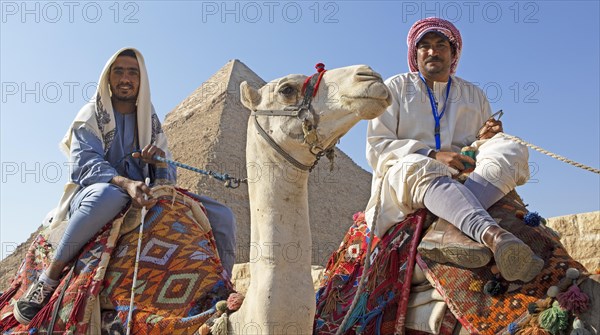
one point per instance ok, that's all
(180, 276)
(462, 288)
(381, 310)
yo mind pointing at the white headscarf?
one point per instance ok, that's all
(97, 116)
(102, 123)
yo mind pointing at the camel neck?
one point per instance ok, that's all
(280, 242)
(280, 215)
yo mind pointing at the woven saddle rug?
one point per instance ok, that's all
(180, 276)
(70, 307)
(382, 308)
(386, 292)
(462, 288)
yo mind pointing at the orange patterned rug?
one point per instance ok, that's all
(463, 290)
(180, 276)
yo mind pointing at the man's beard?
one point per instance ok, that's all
(440, 68)
(116, 94)
(122, 98)
(435, 70)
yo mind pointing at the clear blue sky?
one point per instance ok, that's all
(536, 60)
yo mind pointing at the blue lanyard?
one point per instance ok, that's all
(434, 110)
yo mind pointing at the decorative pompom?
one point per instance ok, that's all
(564, 284)
(513, 328)
(235, 300)
(532, 219)
(540, 305)
(320, 67)
(553, 291)
(359, 217)
(532, 308)
(574, 300)
(494, 288)
(572, 273)
(554, 319)
(221, 306)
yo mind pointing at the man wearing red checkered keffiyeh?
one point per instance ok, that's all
(415, 148)
(439, 26)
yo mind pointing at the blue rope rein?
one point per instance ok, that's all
(230, 182)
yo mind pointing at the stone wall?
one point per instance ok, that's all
(580, 234)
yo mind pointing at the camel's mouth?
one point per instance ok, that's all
(371, 101)
(374, 89)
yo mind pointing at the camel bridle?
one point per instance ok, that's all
(309, 118)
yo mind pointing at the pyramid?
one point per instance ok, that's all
(208, 130)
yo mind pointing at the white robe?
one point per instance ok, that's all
(399, 139)
(87, 117)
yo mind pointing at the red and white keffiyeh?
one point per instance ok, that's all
(424, 26)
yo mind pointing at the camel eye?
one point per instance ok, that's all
(287, 90)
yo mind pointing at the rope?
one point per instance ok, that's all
(367, 265)
(136, 267)
(59, 301)
(551, 154)
(230, 182)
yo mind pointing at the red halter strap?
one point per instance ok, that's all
(316, 80)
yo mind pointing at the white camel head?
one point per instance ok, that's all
(343, 97)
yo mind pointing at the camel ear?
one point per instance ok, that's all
(249, 96)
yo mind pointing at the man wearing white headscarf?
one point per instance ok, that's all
(111, 145)
(414, 149)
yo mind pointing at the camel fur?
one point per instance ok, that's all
(280, 297)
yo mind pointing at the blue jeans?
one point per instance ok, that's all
(91, 209)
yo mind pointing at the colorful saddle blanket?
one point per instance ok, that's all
(462, 288)
(385, 296)
(381, 309)
(70, 308)
(180, 276)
